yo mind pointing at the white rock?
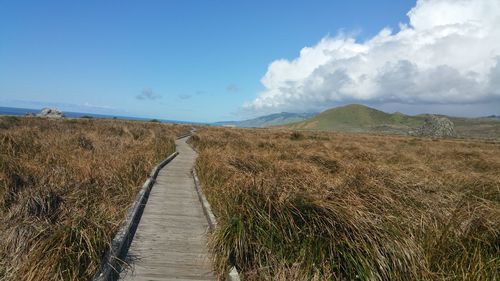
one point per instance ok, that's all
(50, 113)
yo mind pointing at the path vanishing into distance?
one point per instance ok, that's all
(170, 241)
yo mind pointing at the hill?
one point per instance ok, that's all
(477, 127)
(360, 118)
(276, 119)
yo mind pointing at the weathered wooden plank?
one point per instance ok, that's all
(170, 242)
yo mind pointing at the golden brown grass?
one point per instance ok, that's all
(65, 186)
(316, 206)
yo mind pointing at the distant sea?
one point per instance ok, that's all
(23, 111)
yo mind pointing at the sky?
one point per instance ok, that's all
(217, 60)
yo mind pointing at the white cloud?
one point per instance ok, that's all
(448, 53)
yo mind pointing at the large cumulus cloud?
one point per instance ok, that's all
(448, 53)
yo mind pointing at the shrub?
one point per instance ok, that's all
(296, 136)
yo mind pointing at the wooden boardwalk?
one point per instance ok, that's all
(170, 242)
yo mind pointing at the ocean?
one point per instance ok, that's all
(23, 111)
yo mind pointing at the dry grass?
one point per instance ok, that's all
(316, 206)
(65, 186)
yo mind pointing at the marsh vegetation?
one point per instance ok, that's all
(291, 205)
(65, 186)
(318, 206)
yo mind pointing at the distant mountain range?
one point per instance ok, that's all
(360, 118)
(276, 119)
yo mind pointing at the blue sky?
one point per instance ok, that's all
(183, 60)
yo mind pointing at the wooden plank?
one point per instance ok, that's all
(170, 241)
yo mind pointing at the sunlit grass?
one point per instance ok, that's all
(65, 186)
(302, 206)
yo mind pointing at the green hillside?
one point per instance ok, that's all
(485, 127)
(360, 118)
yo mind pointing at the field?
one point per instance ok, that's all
(65, 186)
(315, 206)
(291, 205)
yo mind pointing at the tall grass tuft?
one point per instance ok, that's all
(65, 186)
(324, 206)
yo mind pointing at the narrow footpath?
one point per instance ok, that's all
(170, 242)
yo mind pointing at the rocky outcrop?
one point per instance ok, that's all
(50, 113)
(436, 127)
